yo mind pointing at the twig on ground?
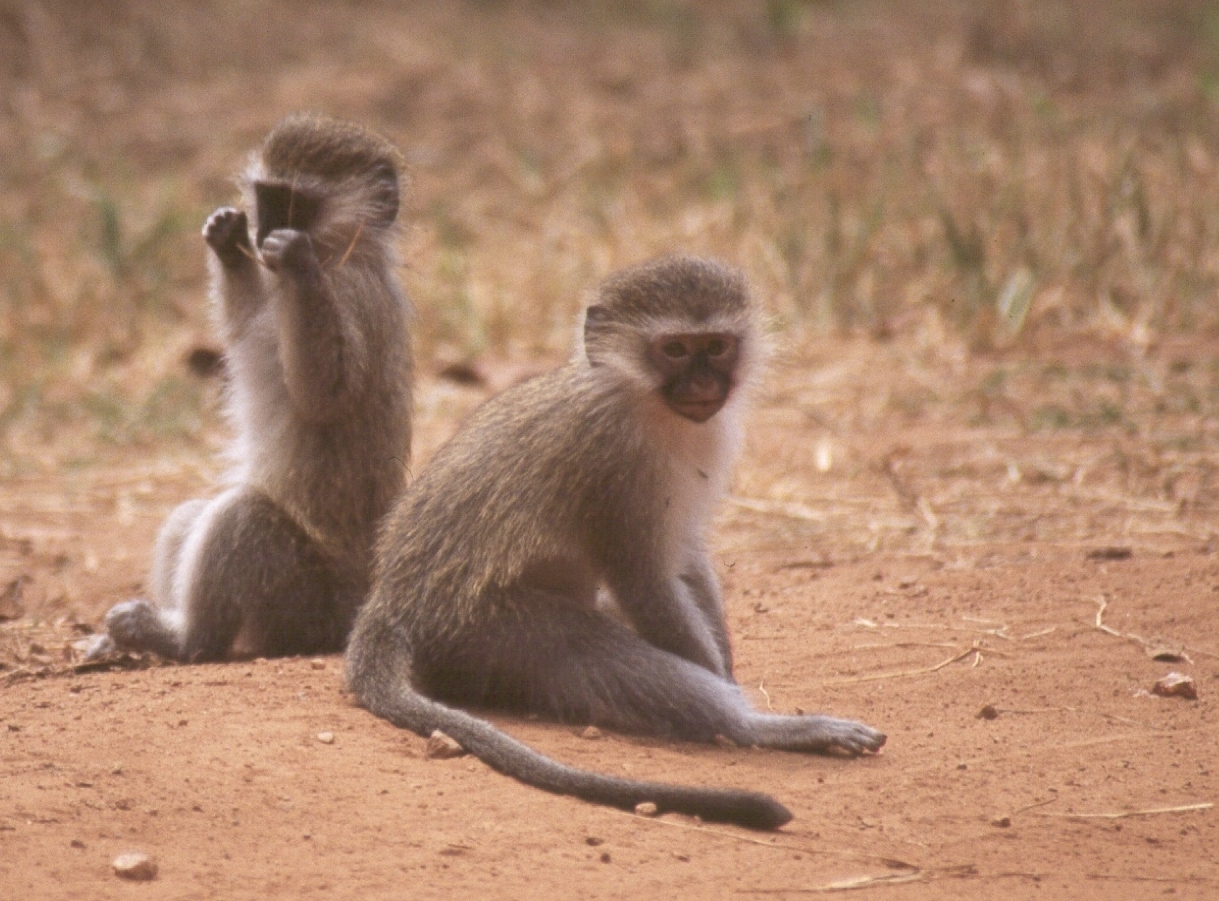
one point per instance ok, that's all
(765, 694)
(1123, 814)
(857, 882)
(874, 677)
(1102, 603)
(790, 509)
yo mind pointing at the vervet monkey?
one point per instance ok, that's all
(601, 475)
(315, 330)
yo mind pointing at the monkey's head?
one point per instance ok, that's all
(680, 328)
(333, 179)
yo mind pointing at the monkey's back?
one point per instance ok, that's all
(545, 465)
(337, 476)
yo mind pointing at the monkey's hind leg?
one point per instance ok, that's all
(551, 657)
(137, 624)
(245, 579)
(579, 666)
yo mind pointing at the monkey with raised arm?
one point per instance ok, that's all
(602, 475)
(314, 325)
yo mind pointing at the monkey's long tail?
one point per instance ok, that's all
(403, 706)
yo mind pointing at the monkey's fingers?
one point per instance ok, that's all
(287, 248)
(227, 233)
(819, 734)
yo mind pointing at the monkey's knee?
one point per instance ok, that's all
(167, 552)
(262, 586)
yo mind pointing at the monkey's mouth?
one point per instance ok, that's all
(696, 410)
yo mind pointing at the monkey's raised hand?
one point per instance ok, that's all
(287, 248)
(227, 232)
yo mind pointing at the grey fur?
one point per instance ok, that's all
(319, 368)
(488, 567)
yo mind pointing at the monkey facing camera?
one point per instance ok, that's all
(600, 477)
(314, 326)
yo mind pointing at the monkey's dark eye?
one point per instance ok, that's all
(717, 346)
(674, 350)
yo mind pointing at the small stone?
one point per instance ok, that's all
(441, 747)
(605, 858)
(1176, 685)
(1001, 822)
(591, 732)
(77, 843)
(988, 712)
(135, 865)
(317, 664)
(1116, 552)
(592, 841)
(326, 738)
(646, 809)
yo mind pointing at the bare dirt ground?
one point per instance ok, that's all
(942, 558)
(984, 473)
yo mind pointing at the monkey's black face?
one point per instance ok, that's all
(697, 370)
(282, 206)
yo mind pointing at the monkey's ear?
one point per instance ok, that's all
(387, 194)
(597, 323)
(282, 206)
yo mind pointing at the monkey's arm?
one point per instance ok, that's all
(235, 270)
(665, 614)
(705, 589)
(320, 351)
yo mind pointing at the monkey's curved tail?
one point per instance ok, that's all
(406, 708)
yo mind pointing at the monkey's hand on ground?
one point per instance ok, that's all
(845, 737)
(822, 734)
(227, 232)
(287, 249)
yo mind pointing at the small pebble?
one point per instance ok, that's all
(989, 712)
(77, 843)
(592, 841)
(591, 732)
(646, 809)
(1001, 822)
(135, 865)
(317, 664)
(1176, 685)
(326, 738)
(441, 747)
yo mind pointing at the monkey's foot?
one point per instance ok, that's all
(227, 232)
(138, 626)
(823, 734)
(100, 646)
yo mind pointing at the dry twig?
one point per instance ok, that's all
(975, 649)
(1123, 814)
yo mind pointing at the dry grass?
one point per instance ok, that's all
(977, 176)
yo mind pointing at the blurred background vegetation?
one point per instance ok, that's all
(997, 176)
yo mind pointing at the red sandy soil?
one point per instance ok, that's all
(946, 559)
